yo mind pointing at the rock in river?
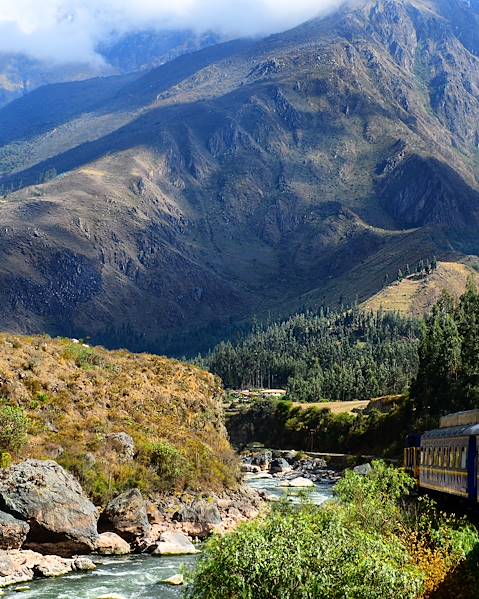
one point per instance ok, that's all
(127, 516)
(174, 543)
(22, 566)
(30, 489)
(109, 543)
(300, 483)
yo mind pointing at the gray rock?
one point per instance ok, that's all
(300, 483)
(13, 532)
(174, 543)
(22, 566)
(83, 564)
(121, 444)
(62, 519)
(363, 469)
(127, 516)
(279, 465)
(263, 459)
(201, 512)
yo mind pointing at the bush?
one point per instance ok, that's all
(13, 428)
(305, 554)
(5, 460)
(374, 542)
(168, 462)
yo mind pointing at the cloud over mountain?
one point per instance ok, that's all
(70, 30)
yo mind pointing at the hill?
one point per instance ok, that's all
(158, 210)
(76, 397)
(416, 295)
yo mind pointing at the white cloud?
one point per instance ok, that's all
(69, 30)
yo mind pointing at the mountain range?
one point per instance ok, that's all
(20, 73)
(156, 208)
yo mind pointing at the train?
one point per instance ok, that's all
(446, 459)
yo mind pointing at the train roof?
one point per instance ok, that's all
(451, 432)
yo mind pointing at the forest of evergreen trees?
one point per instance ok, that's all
(448, 374)
(336, 356)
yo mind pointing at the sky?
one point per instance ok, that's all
(70, 30)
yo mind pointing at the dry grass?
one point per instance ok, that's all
(336, 407)
(75, 395)
(416, 296)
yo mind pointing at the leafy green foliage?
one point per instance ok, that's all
(84, 357)
(13, 428)
(313, 553)
(333, 356)
(168, 462)
(5, 459)
(374, 541)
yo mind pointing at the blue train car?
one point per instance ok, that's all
(446, 459)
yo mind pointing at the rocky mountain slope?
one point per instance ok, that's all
(245, 178)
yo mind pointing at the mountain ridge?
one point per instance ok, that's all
(250, 177)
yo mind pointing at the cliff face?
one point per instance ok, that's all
(247, 177)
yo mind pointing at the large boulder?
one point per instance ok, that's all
(199, 519)
(200, 511)
(127, 516)
(13, 532)
(174, 543)
(279, 465)
(62, 519)
(109, 543)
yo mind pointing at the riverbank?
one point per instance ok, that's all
(47, 520)
(139, 576)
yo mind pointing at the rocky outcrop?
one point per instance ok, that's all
(61, 518)
(122, 445)
(13, 532)
(200, 518)
(126, 515)
(109, 543)
(23, 566)
(279, 465)
(174, 543)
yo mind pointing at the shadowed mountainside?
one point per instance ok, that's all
(248, 177)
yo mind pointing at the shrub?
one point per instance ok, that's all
(84, 357)
(305, 554)
(373, 542)
(13, 428)
(168, 462)
(5, 460)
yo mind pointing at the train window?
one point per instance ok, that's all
(463, 458)
(458, 458)
(440, 453)
(452, 456)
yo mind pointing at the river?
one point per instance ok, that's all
(133, 577)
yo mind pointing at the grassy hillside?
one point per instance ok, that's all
(416, 295)
(75, 395)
